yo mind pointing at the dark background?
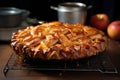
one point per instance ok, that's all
(40, 9)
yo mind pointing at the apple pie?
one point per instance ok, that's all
(59, 41)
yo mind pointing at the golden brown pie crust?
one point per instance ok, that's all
(59, 41)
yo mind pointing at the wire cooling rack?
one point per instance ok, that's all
(100, 62)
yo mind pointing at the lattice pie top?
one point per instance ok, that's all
(57, 40)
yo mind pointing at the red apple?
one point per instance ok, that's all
(99, 21)
(113, 30)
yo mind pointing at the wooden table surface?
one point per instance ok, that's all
(6, 51)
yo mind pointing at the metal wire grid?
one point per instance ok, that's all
(100, 62)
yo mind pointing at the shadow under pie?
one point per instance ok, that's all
(37, 63)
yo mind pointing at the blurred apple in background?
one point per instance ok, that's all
(100, 21)
(113, 30)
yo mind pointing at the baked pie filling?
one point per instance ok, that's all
(59, 41)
